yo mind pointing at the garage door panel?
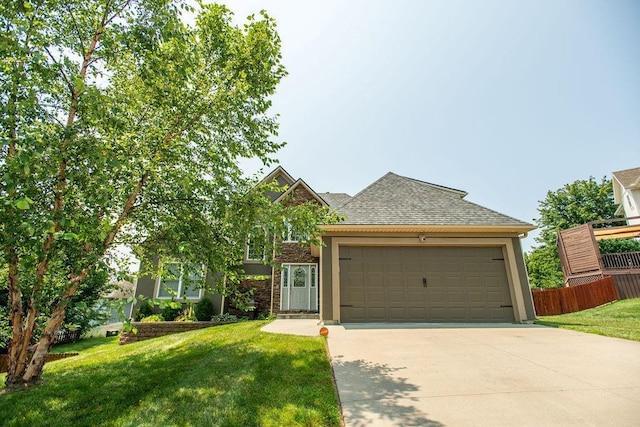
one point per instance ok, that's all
(415, 297)
(377, 314)
(417, 313)
(376, 296)
(477, 314)
(458, 314)
(463, 284)
(476, 297)
(396, 296)
(355, 296)
(455, 297)
(436, 297)
(397, 314)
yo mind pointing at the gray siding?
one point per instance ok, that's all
(145, 286)
(257, 269)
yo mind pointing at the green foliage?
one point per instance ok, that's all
(613, 246)
(145, 309)
(226, 317)
(121, 124)
(188, 314)
(170, 310)
(574, 204)
(153, 318)
(204, 310)
(5, 329)
(265, 315)
(543, 267)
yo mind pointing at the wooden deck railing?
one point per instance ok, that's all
(621, 261)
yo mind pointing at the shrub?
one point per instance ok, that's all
(171, 310)
(225, 318)
(145, 310)
(188, 315)
(5, 330)
(265, 315)
(619, 246)
(204, 310)
(153, 318)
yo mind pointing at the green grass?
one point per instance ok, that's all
(620, 319)
(231, 375)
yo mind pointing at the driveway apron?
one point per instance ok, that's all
(483, 375)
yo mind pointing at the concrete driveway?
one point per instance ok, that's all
(488, 375)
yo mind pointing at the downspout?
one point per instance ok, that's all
(224, 289)
(273, 258)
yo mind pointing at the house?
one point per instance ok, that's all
(407, 251)
(122, 292)
(578, 247)
(626, 193)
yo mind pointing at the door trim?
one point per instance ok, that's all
(311, 287)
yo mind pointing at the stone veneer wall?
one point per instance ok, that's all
(261, 296)
(148, 330)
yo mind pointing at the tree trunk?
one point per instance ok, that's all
(34, 370)
(17, 355)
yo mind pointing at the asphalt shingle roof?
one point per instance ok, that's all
(335, 200)
(397, 200)
(627, 177)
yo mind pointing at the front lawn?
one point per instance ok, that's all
(231, 375)
(620, 319)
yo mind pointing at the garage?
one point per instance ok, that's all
(424, 284)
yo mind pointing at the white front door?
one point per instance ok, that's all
(299, 290)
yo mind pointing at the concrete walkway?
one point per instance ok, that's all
(481, 375)
(306, 327)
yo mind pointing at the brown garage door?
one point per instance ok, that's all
(424, 284)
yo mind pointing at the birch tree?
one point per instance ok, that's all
(119, 123)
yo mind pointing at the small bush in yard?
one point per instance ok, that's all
(225, 318)
(188, 315)
(204, 310)
(153, 318)
(171, 311)
(145, 310)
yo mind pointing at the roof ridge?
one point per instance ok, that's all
(367, 187)
(442, 187)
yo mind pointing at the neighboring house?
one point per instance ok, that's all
(124, 291)
(407, 251)
(626, 193)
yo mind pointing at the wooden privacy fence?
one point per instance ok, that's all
(4, 362)
(574, 298)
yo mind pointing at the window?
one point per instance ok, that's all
(181, 281)
(299, 277)
(254, 250)
(291, 235)
(285, 277)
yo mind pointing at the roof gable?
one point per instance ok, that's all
(625, 179)
(298, 185)
(280, 175)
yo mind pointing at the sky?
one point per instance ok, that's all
(504, 99)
